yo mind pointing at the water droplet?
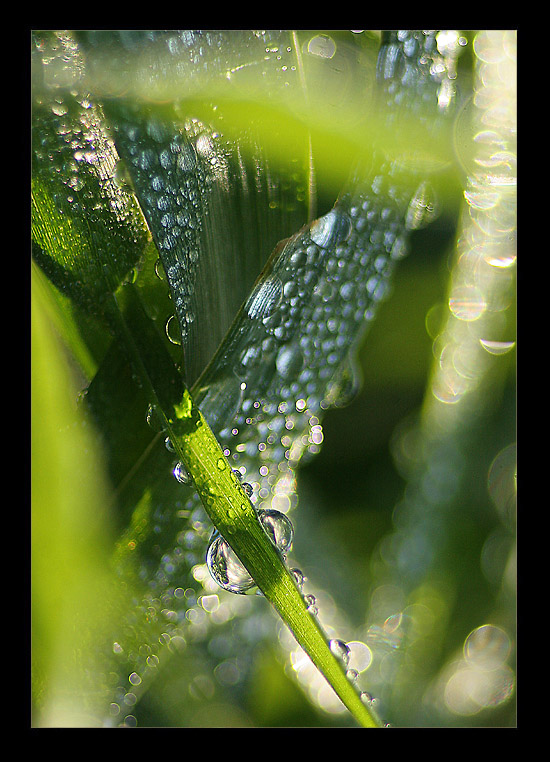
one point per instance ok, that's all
(322, 46)
(265, 298)
(340, 649)
(400, 248)
(222, 465)
(226, 569)
(333, 228)
(298, 576)
(346, 385)
(423, 207)
(159, 270)
(122, 177)
(367, 698)
(289, 361)
(168, 444)
(153, 419)
(310, 602)
(173, 330)
(181, 474)
(247, 488)
(278, 528)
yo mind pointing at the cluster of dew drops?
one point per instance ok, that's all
(223, 564)
(230, 574)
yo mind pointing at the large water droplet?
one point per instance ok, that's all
(322, 46)
(346, 386)
(181, 474)
(333, 228)
(265, 298)
(289, 361)
(278, 527)
(226, 569)
(340, 650)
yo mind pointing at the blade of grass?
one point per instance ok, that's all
(76, 599)
(224, 499)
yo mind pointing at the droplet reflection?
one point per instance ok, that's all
(226, 569)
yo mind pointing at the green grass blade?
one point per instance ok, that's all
(76, 601)
(226, 503)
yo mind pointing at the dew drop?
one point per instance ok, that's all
(181, 474)
(310, 602)
(173, 331)
(400, 248)
(159, 269)
(152, 418)
(289, 361)
(265, 298)
(278, 528)
(222, 465)
(122, 177)
(333, 228)
(298, 576)
(367, 698)
(322, 46)
(226, 569)
(340, 650)
(346, 386)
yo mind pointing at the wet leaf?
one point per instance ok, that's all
(87, 234)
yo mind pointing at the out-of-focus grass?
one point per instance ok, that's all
(72, 588)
